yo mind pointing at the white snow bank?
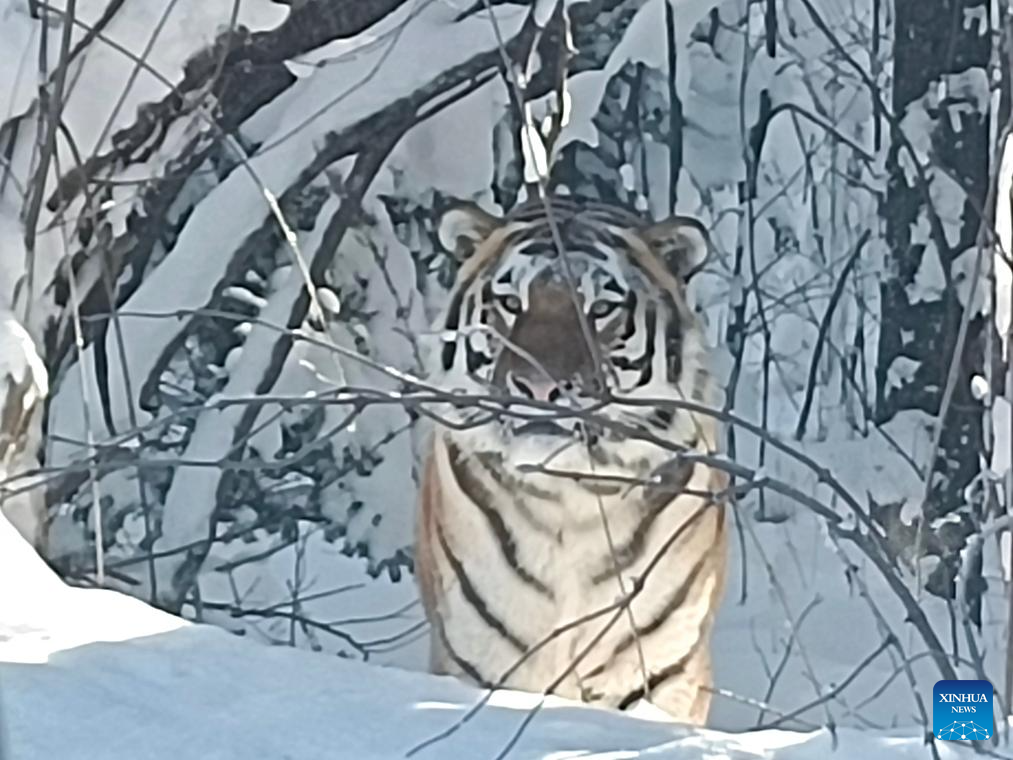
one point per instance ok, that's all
(40, 615)
(94, 674)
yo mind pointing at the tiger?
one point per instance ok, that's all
(557, 304)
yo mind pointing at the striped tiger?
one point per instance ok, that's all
(532, 519)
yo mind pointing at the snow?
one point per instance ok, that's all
(221, 222)
(191, 497)
(543, 11)
(94, 674)
(1004, 231)
(105, 88)
(24, 385)
(188, 24)
(643, 42)
(19, 361)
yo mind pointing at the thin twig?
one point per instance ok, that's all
(37, 187)
(833, 692)
(828, 315)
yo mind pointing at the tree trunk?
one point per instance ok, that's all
(934, 41)
(937, 48)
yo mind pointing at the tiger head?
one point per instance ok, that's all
(607, 319)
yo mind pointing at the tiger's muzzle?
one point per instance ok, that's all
(546, 358)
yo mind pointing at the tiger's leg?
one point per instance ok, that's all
(440, 662)
(443, 660)
(688, 699)
(685, 694)
(676, 622)
(426, 568)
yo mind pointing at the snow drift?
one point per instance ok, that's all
(94, 674)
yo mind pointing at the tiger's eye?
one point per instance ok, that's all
(601, 309)
(511, 304)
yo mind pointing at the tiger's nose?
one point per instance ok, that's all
(536, 389)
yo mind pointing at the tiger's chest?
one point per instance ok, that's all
(538, 562)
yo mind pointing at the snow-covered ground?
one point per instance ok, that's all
(95, 674)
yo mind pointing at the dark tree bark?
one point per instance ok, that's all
(931, 41)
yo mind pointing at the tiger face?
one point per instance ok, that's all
(606, 320)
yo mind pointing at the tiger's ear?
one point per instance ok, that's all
(463, 226)
(681, 242)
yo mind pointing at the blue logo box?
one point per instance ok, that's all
(962, 710)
